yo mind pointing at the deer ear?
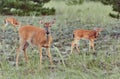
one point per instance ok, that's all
(41, 22)
(53, 21)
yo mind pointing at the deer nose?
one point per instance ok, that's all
(47, 32)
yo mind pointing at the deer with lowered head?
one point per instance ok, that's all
(32, 35)
(12, 21)
(90, 35)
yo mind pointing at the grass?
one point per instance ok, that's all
(103, 64)
(87, 13)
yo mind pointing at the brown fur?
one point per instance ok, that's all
(90, 35)
(31, 35)
(12, 21)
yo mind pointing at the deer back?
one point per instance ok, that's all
(85, 34)
(36, 35)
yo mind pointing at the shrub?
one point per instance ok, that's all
(25, 8)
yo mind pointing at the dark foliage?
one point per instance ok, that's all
(114, 15)
(25, 7)
(116, 6)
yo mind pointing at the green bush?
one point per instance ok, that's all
(25, 8)
(47, 11)
(114, 15)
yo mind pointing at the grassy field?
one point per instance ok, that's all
(102, 64)
(87, 13)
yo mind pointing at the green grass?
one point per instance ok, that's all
(77, 66)
(87, 13)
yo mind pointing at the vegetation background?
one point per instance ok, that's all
(25, 7)
(69, 15)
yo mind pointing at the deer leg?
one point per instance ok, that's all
(92, 45)
(17, 56)
(15, 28)
(72, 46)
(19, 49)
(75, 43)
(6, 23)
(25, 54)
(77, 48)
(3, 28)
(40, 54)
(49, 55)
(89, 45)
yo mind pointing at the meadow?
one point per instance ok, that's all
(102, 64)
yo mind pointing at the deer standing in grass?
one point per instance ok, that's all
(12, 21)
(31, 35)
(90, 35)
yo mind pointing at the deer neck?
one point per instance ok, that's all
(48, 33)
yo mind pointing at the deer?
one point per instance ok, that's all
(12, 21)
(90, 35)
(33, 35)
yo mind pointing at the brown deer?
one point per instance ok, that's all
(90, 35)
(12, 21)
(32, 35)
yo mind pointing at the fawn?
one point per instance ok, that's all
(90, 35)
(12, 21)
